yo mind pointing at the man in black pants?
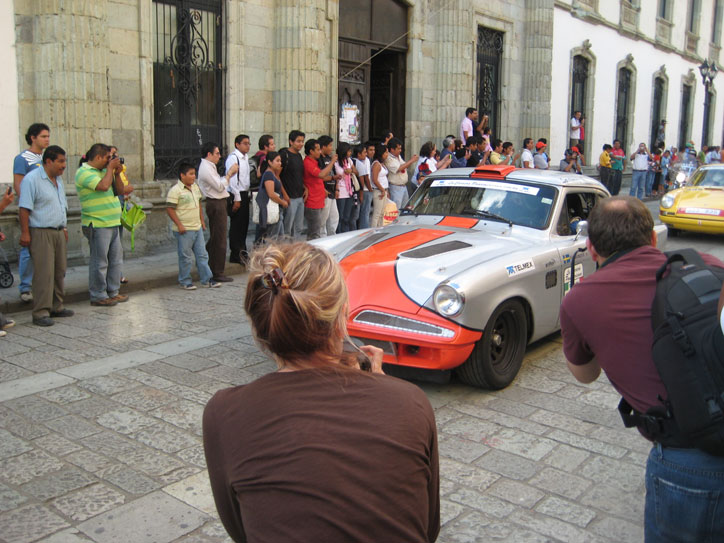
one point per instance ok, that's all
(214, 188)
(239, 199)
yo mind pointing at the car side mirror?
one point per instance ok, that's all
(581, 229)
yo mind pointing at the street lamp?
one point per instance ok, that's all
(708, 73)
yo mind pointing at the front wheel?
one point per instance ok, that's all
(498, 355)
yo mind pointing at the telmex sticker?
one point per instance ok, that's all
(482, 184)
(522, 267)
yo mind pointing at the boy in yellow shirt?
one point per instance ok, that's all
(604, 166)
(188, 227)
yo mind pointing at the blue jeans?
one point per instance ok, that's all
(399, 195)
(684, 496)
(25, 269)
(345, 206)
(192, 244)
(294, 218)
(650, 176)
(638, 183)
(364, 210)
(106, 259)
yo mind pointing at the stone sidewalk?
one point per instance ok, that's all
(100, 433)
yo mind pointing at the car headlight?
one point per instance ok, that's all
(448, 300)
(681, 177)
(667, 201)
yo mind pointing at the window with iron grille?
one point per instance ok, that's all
(187, 81)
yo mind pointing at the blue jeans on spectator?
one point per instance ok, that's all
(192, 244)
(650, 176)
(345, 206)
(684, 491)
(294, 218)
(25, 270)
(364, 210)
(104, 265)
(638, 183)
(399, 195)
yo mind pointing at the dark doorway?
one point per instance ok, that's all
(372, 48)
(684, 115)
(187, 80)
(657, 111)
(622, 106)
(387, 103)
(489, 57)
(580, 82)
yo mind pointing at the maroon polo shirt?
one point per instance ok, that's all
(608, 316)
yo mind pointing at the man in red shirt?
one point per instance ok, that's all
(616, 337)
(314, 183)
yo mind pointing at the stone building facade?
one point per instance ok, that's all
(159, 77)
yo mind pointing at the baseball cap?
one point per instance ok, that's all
(575, 150)
(540, 145)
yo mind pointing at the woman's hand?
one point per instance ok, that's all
(375, 356)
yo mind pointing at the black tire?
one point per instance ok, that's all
(6, 280)
(673, 232)
(498, 355)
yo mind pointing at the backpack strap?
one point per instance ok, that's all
(687, 256)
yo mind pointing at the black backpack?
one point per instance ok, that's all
(688, 350)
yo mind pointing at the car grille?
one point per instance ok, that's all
(393, 322)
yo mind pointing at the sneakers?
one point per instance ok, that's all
(62, 313)
(26, 297)
(188, 287)
(3, 333)
(9, 323)
(43, 321)
(105, 302)
(120, 298)
(211, 284)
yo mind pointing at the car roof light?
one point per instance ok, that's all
(489, 171)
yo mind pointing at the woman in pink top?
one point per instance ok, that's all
(345, 191)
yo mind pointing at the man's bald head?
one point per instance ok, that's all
(618, 224)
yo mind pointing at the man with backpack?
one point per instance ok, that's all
(683, 482)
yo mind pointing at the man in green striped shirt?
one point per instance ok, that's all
(100, 218)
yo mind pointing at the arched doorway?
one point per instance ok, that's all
(372, 49)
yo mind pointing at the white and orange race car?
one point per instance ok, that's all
(473, 270)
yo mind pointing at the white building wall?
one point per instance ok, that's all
(610, 47)
(10, 137)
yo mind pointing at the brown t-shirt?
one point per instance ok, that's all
(324, 455)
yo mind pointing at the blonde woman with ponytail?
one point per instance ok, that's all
(328, 448)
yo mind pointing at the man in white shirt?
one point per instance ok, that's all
(526, 156)
(640, 159)
(576, 123)
(397, 168)
(214, 188)
(467, 124)
(239, 188)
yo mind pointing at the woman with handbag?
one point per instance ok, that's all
(271, 193)
(345, 191)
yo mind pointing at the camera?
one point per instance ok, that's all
(120, 158)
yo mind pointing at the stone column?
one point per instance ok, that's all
(454, 77)
(303, 53)
(63, 71)
(535, 118)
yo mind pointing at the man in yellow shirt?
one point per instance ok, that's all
(604, 165)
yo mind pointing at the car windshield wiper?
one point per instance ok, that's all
(486, 215)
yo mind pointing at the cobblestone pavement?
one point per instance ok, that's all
(100, 433)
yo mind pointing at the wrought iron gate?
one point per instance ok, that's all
(579, 81)
(658, 106)
(187, 81)
(684, 115)
(622, 106)
(489, 56)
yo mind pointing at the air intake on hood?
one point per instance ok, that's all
(436, 249)
(368, 241)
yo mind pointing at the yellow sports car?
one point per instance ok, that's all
(697, 207)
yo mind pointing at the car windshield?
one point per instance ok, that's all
(524, 204)
(713, 177)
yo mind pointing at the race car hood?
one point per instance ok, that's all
(400, 266)
(701, 201)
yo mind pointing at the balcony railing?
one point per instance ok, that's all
(663, 31)
(692, 42)
(629, 15)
